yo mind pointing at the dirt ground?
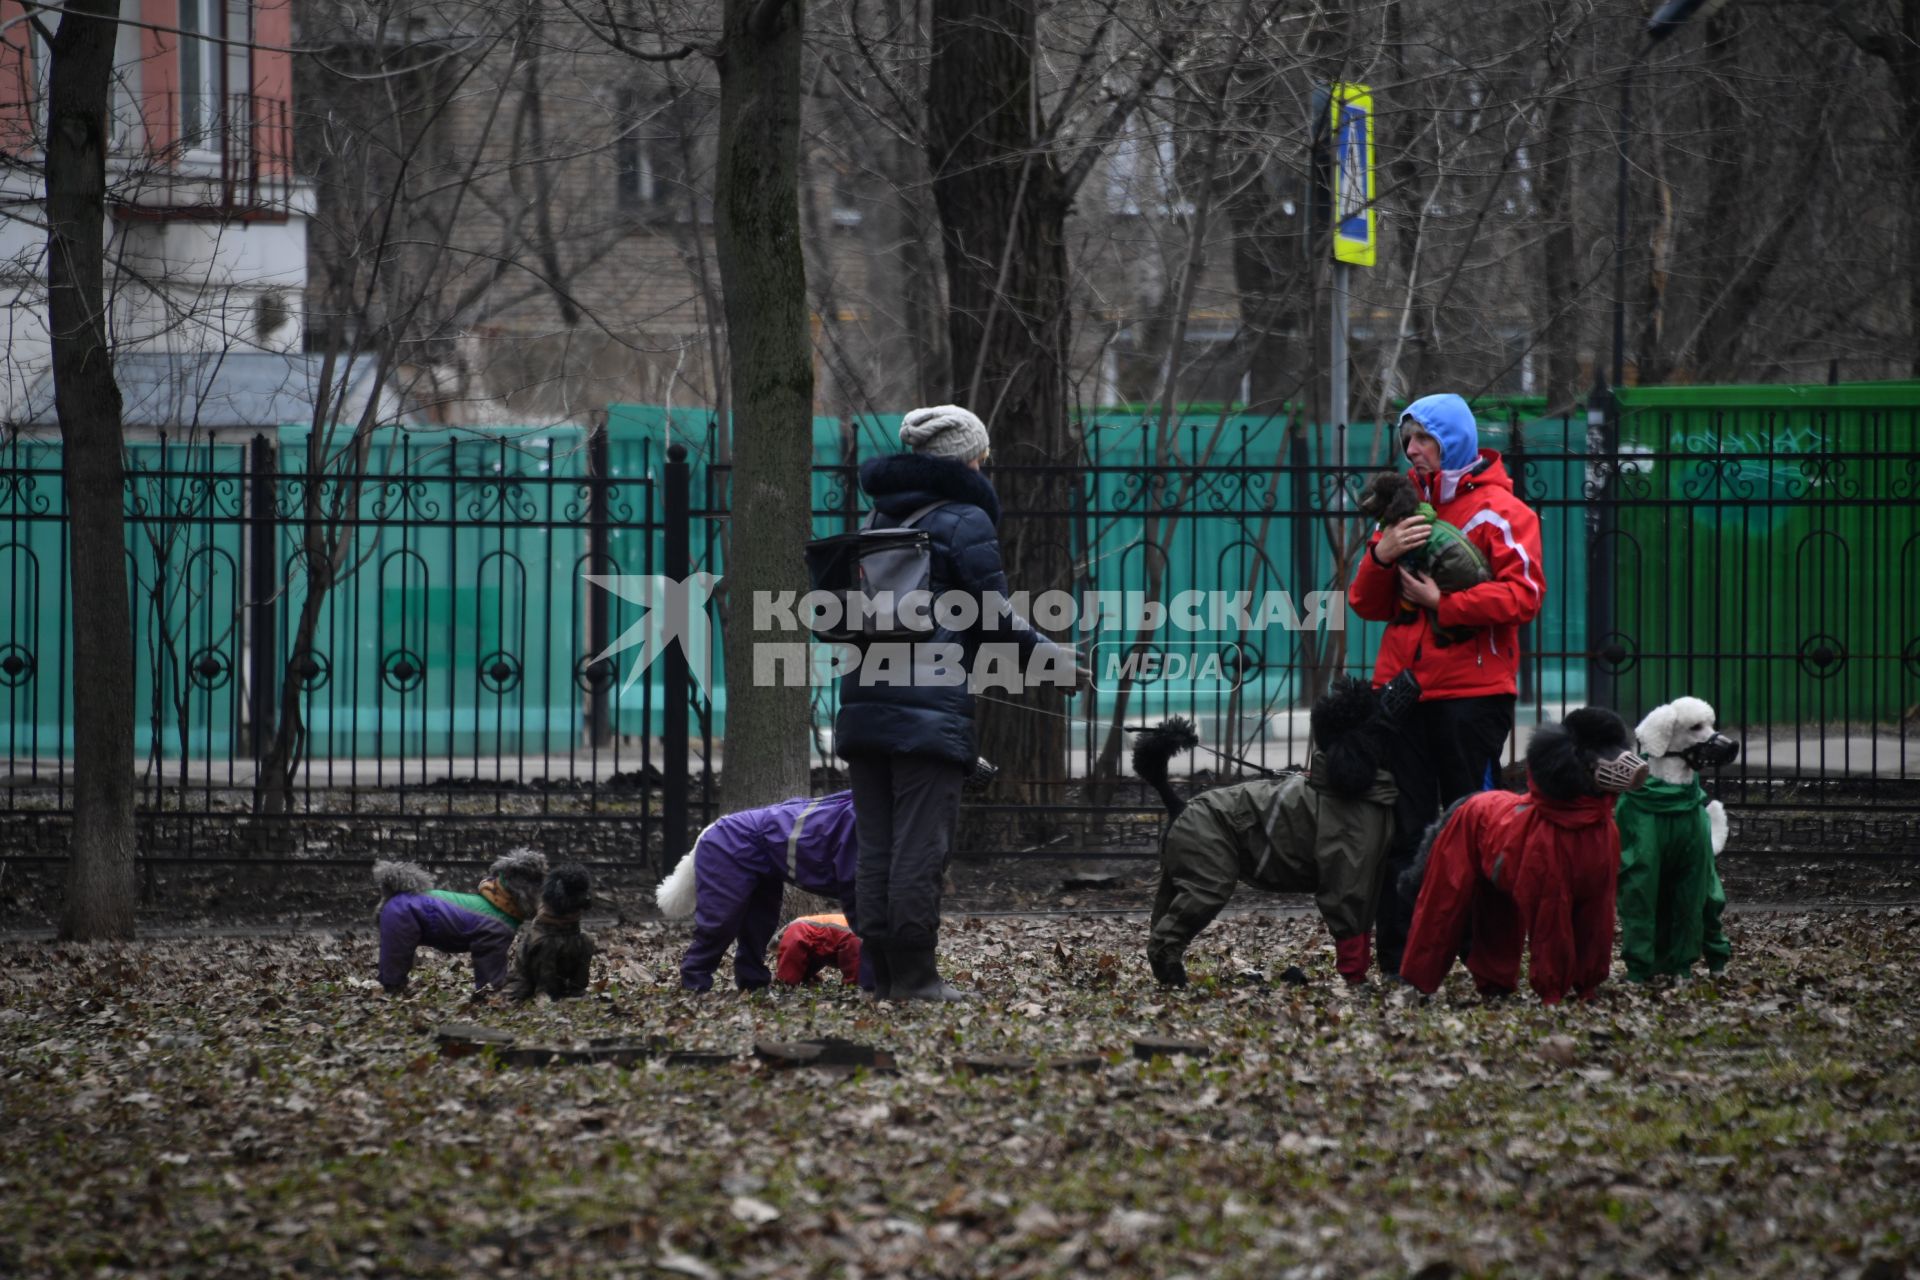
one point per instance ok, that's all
(226, 897)
(216, 1107)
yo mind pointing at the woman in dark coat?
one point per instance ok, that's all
(908, 740)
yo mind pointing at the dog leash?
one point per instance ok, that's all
(1260, 769)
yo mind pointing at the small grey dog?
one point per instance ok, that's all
(552, 955)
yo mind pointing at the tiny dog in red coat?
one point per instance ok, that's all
(1539, 869)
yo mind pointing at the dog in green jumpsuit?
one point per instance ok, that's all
(1323, 832)
(1670, 899)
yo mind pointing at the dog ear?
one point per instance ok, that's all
(1351, 765)
(1598, 730)
(1656, 731)
(1554, 764)
(1347, 704)
(1375, 495)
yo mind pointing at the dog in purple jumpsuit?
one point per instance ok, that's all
(732, 880)
(482, 924)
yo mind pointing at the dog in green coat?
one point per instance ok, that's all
(1671, 900)
(1323, 832)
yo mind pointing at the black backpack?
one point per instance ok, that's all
(873, 564)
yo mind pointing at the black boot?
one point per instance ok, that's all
(882, 965)
(916, 978)
(1168, 969)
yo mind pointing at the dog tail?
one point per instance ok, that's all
(395, 878)
(678, 892)
(1154, 748)
(1415, 873)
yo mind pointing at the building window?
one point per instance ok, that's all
(42, 72)
(1212, 363)
(199, 73)
(651, 179)
(1145, 170)
(845, 196)
(216, 67)
(125, 130)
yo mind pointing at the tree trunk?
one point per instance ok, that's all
(763, 280)
(1900, 50)
(100, 877)
(1003, 208)
(1559, 258)
(1907, 73)
(1410, 181)
(1269, 270)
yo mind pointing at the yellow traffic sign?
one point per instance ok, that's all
(1356, 235)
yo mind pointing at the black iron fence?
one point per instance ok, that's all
(338, 648)
(466, 667)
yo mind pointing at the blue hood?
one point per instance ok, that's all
(1447, 419)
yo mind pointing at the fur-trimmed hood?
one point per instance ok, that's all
(900, 483)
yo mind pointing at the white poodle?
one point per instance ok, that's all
(1670, 898)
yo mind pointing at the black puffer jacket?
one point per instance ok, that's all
(922, 719)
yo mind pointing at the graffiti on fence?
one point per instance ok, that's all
(1747, 479)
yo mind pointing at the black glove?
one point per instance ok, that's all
(1399, 696)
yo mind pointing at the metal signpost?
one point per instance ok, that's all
(1355, 232)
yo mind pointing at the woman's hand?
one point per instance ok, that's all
(1418, 589)
(1408, 535)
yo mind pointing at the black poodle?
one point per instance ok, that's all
(552, 955)
(1349, 723)
(1323, 832)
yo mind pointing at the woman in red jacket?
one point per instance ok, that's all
(1467, 688)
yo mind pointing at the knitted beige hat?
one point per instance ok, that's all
(944, 431)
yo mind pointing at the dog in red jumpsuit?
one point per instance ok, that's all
(1539, 869)
(813, 943)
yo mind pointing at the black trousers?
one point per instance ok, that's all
(905, 809)
(1443, 755)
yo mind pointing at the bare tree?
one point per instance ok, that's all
(100, 877)
(763, 277)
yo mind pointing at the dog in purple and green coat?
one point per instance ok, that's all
(482, 924)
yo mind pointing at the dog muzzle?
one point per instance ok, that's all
(1625, 772)
(1400, 696)
(1714, 752)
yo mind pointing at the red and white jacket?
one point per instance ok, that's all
(1482, 505)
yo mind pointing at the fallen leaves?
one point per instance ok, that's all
(171, 1113)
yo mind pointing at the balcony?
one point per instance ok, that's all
(204, 157)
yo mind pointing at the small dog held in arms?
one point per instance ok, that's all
(552, 956)
(1670, 833)
(1452, 561)
(1323, 832)
(482, 923)
(1537, 870)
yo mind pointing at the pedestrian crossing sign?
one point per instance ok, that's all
(1355, 229)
